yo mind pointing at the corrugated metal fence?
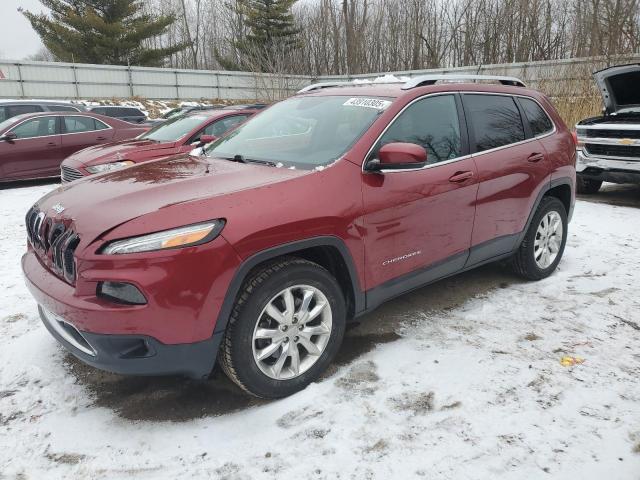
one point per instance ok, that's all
(82, 81)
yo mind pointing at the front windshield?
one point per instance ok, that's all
(174, 129)
(302, 132)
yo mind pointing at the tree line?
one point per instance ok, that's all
(333, 37)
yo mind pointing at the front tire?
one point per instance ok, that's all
(285, 328)
(543, 244)
(587, 186)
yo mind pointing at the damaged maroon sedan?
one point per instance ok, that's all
(34, 145)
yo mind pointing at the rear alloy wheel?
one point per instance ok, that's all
(285, 328)
(587, 186)
(543, 244)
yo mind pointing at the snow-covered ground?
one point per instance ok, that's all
(472, 388)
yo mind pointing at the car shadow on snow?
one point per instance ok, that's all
(29, 183)
(179, 399)
(627, 195)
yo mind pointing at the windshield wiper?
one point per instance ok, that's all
(243, 159)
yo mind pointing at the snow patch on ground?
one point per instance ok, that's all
(474, 391)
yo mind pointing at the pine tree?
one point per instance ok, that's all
(271, 34)
(102, 32)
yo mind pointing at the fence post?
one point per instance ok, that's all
(75, 80)
(217, 77)
(20, 80)
(177, 86)
(130, 79)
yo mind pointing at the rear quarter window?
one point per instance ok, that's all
(494, 120)
(538, 119)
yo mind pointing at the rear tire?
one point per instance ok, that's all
(280, 337)
(588, 186)
(543, 244)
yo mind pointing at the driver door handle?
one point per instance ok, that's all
(460, 177)
(535, 157)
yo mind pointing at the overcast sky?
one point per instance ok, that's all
(17, 38)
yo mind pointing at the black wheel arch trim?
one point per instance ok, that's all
(287, 249)
(556, 182)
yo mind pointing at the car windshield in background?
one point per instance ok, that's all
(303, 132)
(174, 129)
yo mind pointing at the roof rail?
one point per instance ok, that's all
(319, 86)
(424, 80)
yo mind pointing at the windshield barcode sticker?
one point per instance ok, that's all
(368, 103)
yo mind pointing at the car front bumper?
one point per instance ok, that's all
(133, 354)
(607, 169)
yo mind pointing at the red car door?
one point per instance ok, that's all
(34, 152)
(83, 131)
(420, 218)
(512, 168)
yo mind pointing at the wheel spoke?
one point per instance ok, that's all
(272, 333)
(538, 253)
(289, 304)
(295, 359)
(554, 244)
(317, 310)
(321, 329)
(309, 346)
(274, 313)
(277, 367)
(269, 350)
(303, 311)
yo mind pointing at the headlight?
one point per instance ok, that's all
(174, 238)
(107, 167)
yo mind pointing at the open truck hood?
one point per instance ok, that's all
(620, 88)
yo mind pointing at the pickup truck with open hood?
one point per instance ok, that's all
(609, 145)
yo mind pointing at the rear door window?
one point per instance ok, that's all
(538, 119)
(37, 127)
(494, 120)
(79, 124)
(433, 124)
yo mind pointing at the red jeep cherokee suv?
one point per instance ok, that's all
(315, 211)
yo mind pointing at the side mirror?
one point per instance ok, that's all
(399, 156)
(204, 139)
(8, 137)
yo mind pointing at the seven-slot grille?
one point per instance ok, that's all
(606, 133)
(69, 174)
(54, 243)
(613, 150)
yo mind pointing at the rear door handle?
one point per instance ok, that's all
(460, 177)
(535, 157)
(101, 138)
(52, 144)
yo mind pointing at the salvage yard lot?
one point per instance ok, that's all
(458, 380)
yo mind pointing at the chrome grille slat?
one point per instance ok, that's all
(613, 150)
(53, 242)
(68, 174)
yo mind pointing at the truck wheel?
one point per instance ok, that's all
(543, 244)
(587, 185)
(285, 328)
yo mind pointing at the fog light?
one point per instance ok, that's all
(121, 292)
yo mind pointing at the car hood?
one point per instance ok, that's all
(100, 203)
(115, 151)
(619, 88)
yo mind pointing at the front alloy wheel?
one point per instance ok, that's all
(285, 328)
(292, 331)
